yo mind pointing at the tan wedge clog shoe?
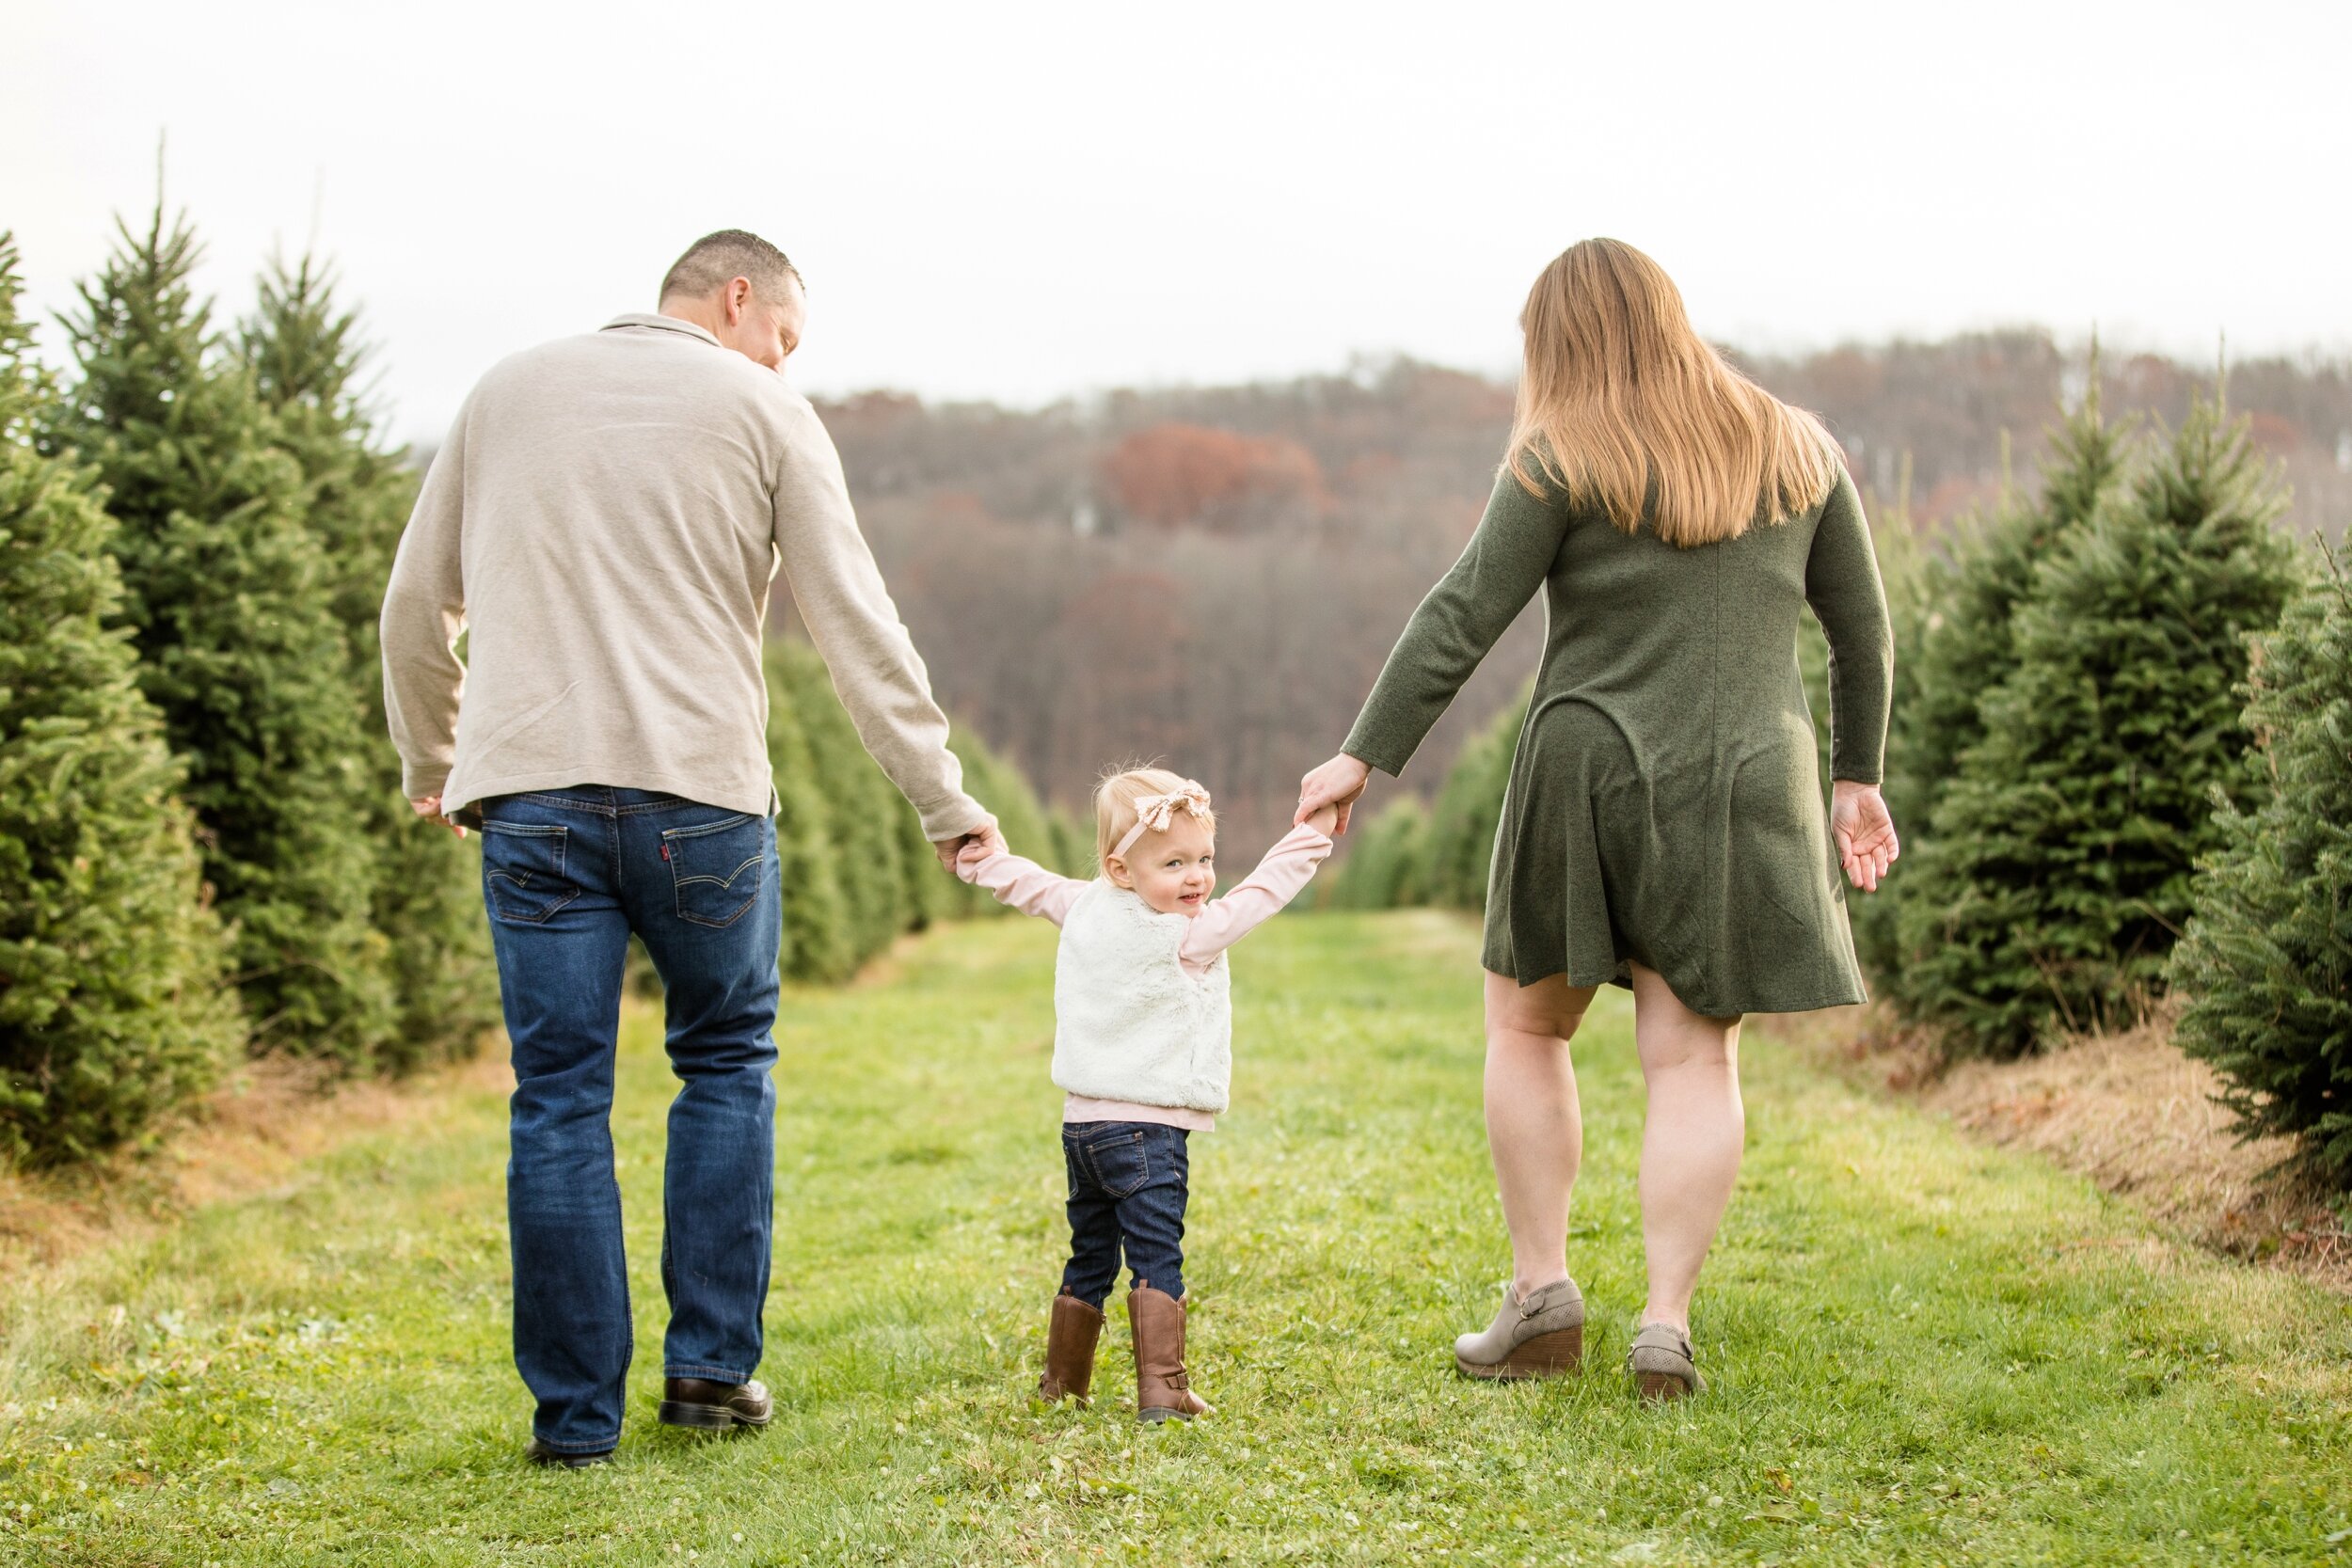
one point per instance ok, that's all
(1541, 1335)
(1663, 1364)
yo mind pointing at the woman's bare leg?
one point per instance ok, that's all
(1534, 1129)
(1690, 1139)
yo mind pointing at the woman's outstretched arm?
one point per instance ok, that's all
(1500, 570)
(1842, 584)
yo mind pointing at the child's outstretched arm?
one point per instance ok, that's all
(1018, 883)
(1287, 870)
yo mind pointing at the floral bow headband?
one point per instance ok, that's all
(1156, 811)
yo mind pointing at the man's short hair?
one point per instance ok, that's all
(729, 254)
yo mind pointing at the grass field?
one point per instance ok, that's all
(1922, 1350)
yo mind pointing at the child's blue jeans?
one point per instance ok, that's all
(1128, 1183)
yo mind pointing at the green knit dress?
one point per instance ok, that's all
(1665, 807)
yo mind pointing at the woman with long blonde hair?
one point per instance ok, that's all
(1664, 828)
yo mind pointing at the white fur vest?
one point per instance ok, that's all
(1130, 1021)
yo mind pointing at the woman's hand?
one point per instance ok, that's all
(1336, 782)
(1867, 844)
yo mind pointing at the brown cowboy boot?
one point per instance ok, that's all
(1162, 1390)
(1070, 1338)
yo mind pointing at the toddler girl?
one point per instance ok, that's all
(1143, 1029)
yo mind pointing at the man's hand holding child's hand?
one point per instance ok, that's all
(977, 848)
(1322, 819)
(952, 850)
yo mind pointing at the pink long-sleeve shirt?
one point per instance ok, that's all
(1025, 885)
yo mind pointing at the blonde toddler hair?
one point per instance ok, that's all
(1115, 801)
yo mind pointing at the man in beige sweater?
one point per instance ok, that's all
(605, 522)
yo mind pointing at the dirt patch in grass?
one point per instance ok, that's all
(247, 1137)
(2128, 1109)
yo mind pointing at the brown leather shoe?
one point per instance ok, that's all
(1163, 1391)
(693, 1402)
(1070, 1340)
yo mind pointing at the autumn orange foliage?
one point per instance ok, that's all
(1186, 475)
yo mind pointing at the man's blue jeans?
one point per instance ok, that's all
(567, 875)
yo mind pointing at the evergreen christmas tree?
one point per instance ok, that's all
(238, 644)
(2056, 873)
(1461, 835)
(864, 816)
(2268, 960)
(1390, 863)
(306, 355)
(113, 1005)
(1966, 644)
(999, 785)
(923, 894)
(1963, 647)
(817, 939)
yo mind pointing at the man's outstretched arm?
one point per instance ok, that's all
(876, 672)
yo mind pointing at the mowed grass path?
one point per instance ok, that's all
(1921, 1350)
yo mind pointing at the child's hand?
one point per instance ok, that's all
(1324, 818)
(968, 859)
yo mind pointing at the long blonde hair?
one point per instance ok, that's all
(1621, 403)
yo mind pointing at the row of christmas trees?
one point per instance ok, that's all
(2121, 747)
(203, 846)
(2121, 763)
(203, 842)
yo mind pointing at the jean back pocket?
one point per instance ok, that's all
(522, 870)
(717, 868)
(1121, 1160)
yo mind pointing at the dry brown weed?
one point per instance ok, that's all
(246, 1136)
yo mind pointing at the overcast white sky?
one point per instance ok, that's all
(1019, 202)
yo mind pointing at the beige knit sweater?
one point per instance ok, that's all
(606, 519)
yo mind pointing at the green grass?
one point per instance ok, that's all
(1922, 1350)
